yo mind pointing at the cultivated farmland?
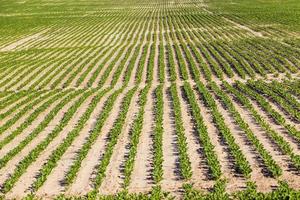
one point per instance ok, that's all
(149, 99)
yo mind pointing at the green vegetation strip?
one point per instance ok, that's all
(158, 133)
(267, 158)
(240, 160)
(184, 161)
(91, 139)
(210, 154)
(61, 149)
(135, 133)
(34, 154)
(113, 138)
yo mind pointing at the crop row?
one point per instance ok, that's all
(210, 154)
(65, 144)
(113, 138)
(265, 155)
(34, 154)
(240, 160)
(184, 161)
(158, 133)
(135, 134)
(278, 139)
(92, 137)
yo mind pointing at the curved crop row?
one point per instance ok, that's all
(240, 160)
(72, 172)
(113, 138)
(279, 140)
(184, 161)
(33, 155)
(61, 149)
(267, 159)
(210, 154)
(158, 132)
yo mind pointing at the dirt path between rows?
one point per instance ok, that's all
(171, 176)
(114, 176)
(22, 187)
(235, 183)
(11, 165)
(15, 44)
(56, 178)
(141, 178)
(83, 182)
(282, 160)
(264, 184)
(198, 161)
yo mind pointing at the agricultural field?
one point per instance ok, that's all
(162, 99)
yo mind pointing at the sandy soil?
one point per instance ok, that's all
(171, 177)
(24, 183)
(114, 178)
(282, 160)
(141, 179)
(234, 182)
(83, 183)
(55, 179)
(8, 169)
(264, 184)
(14, 45)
